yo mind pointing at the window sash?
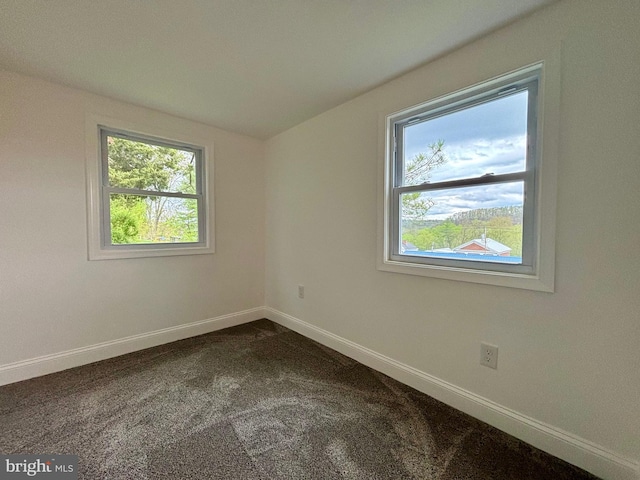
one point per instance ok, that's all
(150, 193)
(466, 182)
(107, 190)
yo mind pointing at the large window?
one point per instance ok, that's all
(462, 180)
(150, 195)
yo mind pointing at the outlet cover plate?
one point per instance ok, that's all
(489, 355)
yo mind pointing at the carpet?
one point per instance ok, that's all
(256, 401)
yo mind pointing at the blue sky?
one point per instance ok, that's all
(488, 138)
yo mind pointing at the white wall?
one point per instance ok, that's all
(52, 299)
(570, 359)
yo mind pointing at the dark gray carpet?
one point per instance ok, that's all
(256, 401)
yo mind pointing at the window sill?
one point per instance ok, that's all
(133, 252)
(502, 279)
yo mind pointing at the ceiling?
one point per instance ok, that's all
(256, 67)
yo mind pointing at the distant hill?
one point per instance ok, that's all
(514, 212)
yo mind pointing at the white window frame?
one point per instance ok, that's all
(537, 269)
(98, 190)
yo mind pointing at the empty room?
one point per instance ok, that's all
(332, 239)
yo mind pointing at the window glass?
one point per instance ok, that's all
(148, 219)
(489, 138)
(481, 223)
(145, 166)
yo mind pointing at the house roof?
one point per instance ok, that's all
(408, 246)
(251, 67)
(489, 244)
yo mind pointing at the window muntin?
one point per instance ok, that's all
(152, 192)
(478, 157)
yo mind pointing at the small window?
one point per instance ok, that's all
(151, 197)
(462, 175)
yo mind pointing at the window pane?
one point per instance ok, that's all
(138, 219)
(140, 165)
(482, 223)
(486, 138)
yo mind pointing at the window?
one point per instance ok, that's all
(461, 184)
(149, 196)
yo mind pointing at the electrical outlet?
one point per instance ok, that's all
(300, 291)
(489, 355)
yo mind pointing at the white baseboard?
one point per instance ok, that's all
(35, 367)
(571, 448)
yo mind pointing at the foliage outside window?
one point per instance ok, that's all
(461, 181)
